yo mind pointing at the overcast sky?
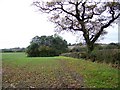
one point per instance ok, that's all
(20, 22)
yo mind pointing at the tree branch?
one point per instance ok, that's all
(66, 11)
(105, 26)
(71, 3)
(83, 14)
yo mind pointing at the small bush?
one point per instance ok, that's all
(83, 55)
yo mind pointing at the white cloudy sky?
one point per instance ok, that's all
(20, 22)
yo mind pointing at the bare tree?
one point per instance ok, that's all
(87, 16)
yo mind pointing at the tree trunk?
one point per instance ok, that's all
(90, 48)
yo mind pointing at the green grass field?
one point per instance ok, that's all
(20, 71)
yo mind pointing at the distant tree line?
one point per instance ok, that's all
(45, 46)
(17, 49)
(107, 46)
(79, 47)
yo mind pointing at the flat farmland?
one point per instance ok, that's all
(20, 71)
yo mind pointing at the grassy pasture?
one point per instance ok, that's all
(20, 71)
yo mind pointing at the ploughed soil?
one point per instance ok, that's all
(63, 76)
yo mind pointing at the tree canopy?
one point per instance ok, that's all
(46, 46)
(87, 16)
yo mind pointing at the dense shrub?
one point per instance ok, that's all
(111, 56)
(107, 56)
(32, 50)
(45, 51)
(45, 46)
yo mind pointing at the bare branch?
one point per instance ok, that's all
(83, 14)
(105, 26)
(71, 3)
(66, 11)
